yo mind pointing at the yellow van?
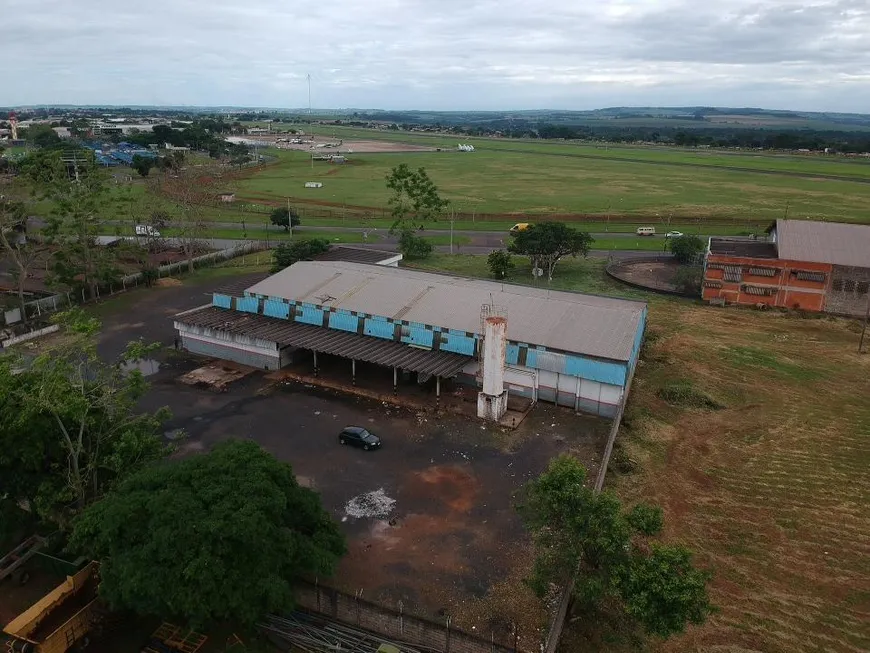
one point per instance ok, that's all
(646, 231)
(519, 226)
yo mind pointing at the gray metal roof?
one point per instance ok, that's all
(603, 327)
(742, 247)
(328, 341)
(823, 242)
(356, 254)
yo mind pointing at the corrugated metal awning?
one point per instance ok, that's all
(328, 341)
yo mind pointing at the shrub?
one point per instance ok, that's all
(688, 280)
(286, 254)
(499, 263)
(686, 249)
(414, 247)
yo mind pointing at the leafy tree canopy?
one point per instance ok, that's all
(686, 249)
(499, 263)
(69, 427)
(143, 164)
(286, 254)
(220, 536)
(413, 246)
(415, 199)
(285, 217)
(652, 583)
(546, 243)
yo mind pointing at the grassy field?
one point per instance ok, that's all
(803, 164)
(524, 181)
(771, 490)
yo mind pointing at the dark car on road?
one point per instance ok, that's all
(360, 437)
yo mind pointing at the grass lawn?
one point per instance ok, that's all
(581, 275)
(771, 490)
(531, 183)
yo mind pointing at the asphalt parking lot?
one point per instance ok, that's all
(429, 517)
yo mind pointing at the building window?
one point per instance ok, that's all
(849, 285)
(762, 272)
(761, 291)
(733, 273)
(862, 287)
(837, 285)
(804, 275)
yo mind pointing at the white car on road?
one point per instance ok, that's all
(673, 234)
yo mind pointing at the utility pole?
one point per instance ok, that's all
(309, 97)
(452, 216)
(289, 219)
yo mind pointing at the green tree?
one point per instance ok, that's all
(414, 247)
(43, 136)
(143, 164)
(286, 254)
(285, 217)
(23, 251)
(686, 249)
(79, 194)
(499, 263)
(585, 535)
(70, 428)
(217, 537)
(688, 279)
(546, 243)
(415, 199)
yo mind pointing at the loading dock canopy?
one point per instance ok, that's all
(328, 341)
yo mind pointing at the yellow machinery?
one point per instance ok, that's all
(59, 620)
(176, 639)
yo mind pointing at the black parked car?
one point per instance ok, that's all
(360, 437)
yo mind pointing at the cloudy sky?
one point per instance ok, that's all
(438, 54)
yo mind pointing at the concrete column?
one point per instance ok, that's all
(437, 389)
(395, 380)
(315, 362)
(353, 371)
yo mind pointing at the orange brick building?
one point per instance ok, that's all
(812, 266)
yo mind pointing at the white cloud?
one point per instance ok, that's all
(451, 54)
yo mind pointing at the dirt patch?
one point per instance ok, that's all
(653, 273)
(168, 282)
(451, 486)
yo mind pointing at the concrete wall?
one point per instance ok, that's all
(397, 625)
(848, 294)
(240, 349)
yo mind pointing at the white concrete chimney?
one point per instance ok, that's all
(492, 401)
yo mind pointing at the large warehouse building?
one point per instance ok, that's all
(573, 349)
(812, 266)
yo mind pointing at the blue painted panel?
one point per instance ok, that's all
(458, 344)
(310, 315)
(532, 357)
(511, 356)
(594, 370)
(344, 321)
(417, 334)
(378, 328)
(275, 308)
(248, 304)
(221, 301)
(638, 338)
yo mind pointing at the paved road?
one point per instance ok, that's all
(391, 246)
